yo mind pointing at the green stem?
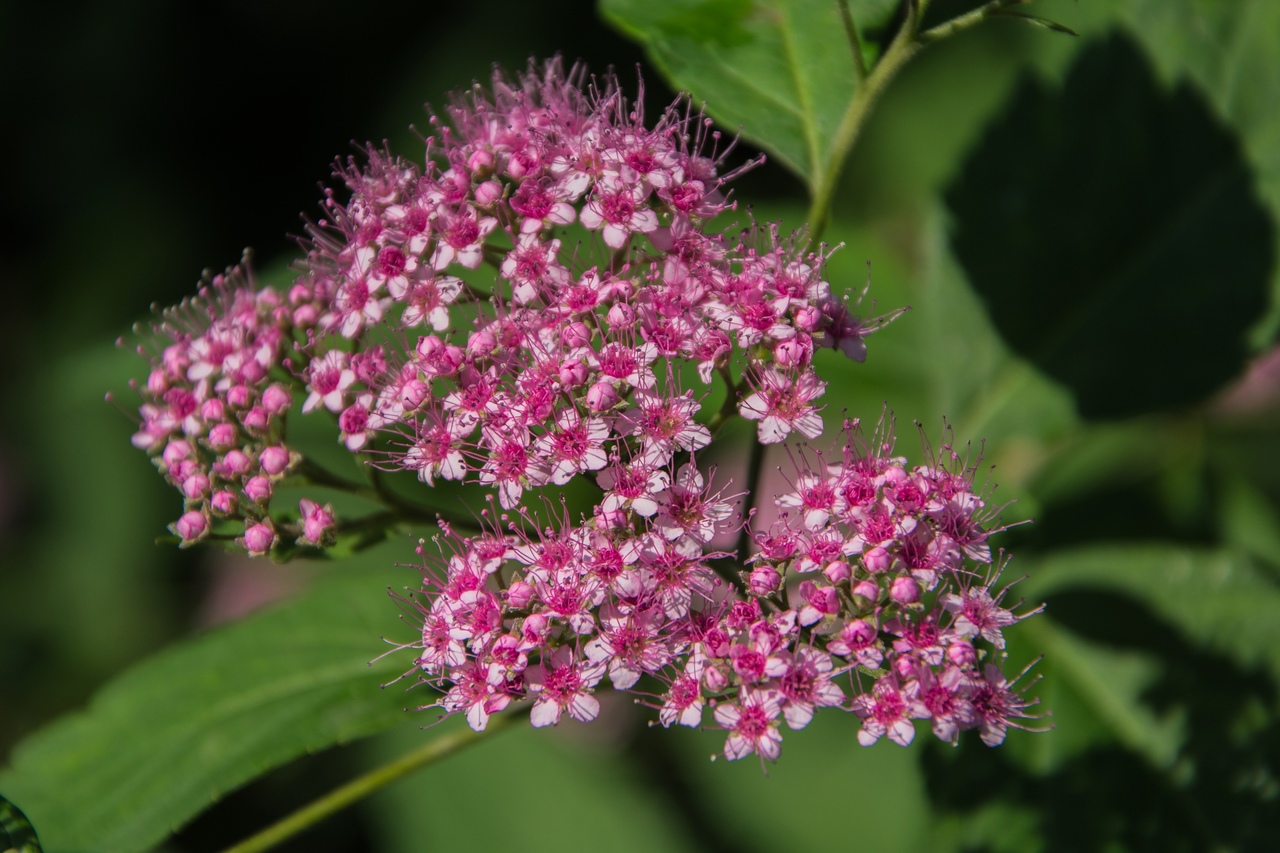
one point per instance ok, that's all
(903, 47)
(362, 786)
(730, 405)
(755, 461)
(906, 44)
(855, 40)
(969, 19)
(399, 510)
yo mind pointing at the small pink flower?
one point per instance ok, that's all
(885, 710)
(561, 684)
(618, 209)
(328, 379)
(463, 233)
(752, 723)
(784, 403)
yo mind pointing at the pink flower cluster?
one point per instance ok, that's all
(214, 407)
(591, 361)
(565, 359)
(559, 366)
(876, 581)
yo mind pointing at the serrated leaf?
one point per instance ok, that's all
(781, 70)
(1112, 229)
(169, 737)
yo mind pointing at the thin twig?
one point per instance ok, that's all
(373, 781)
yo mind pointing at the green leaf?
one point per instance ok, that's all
(1160, 670)
(166, 739)
(17, 835)
(1217, 599)
(781, 70)
(1112, 229)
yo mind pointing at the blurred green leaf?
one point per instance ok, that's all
(1160, 669)
(630, 787)
(781, 70)
(1232, 50)
(163, 741)
(1113, 232)
(1215, 598)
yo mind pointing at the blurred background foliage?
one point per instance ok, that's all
(1085, 230)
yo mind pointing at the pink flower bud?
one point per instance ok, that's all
(962, 653)
(191, 526)
(858, 634)
(317, 521)
(488, 192)
(904, 590)
(481, 343)
(176, 451)
(414, 392)
(195, 487)
(611, 519)
(239, 396)
(602, 397)
(573, 373)
(764, 580)
(877, 560)
(257, 420)
(306, 316)
(258, 489)
(794, 351)
(222, 436)
(175, 361)
(519, 594)
(252, 372)
(867, 590)
(182, 469)
(236, 462)
(621, 315)
(575, 334)
(274, 460)
(224, 502)
(534, 630)
(299, 294)
(837, 571)
(808, 318)
(480, 160)
(894, 476)
(213, 410)
(258, 539)
(715, 678)
(157, 382)
(277, 399)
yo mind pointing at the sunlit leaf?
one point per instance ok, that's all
(781, 70)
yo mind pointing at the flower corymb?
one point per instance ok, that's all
(542, 300)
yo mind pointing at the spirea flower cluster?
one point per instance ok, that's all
(875, 593)
(589, 357)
